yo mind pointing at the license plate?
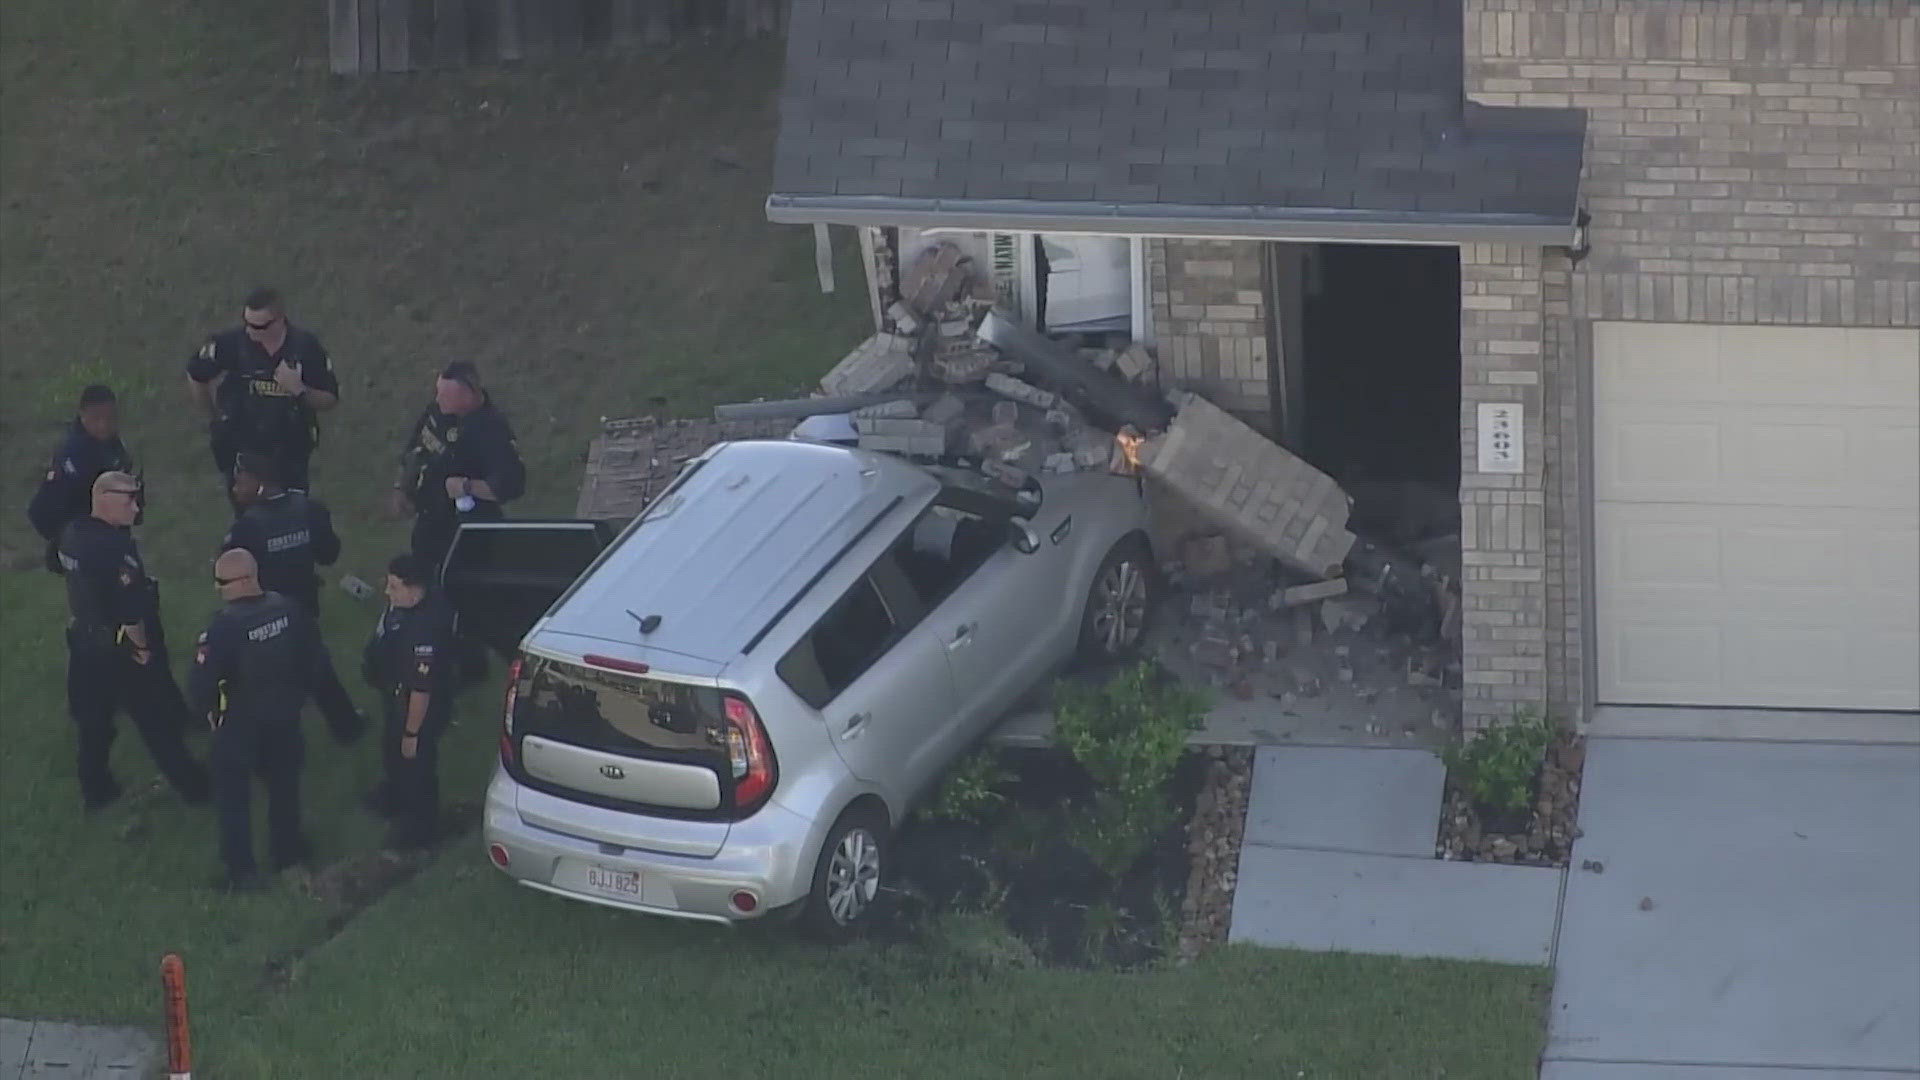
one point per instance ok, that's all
(624, 884)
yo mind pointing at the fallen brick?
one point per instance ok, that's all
(1134, 364)
(904, 321)
(1296, 595)
(967, 366)
(1008, 386)
(878, 363)
(935, 278)
(900, 407)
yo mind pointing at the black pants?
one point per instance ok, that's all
(413, 786)
(329, 694)
(103, 681)
(270, 747)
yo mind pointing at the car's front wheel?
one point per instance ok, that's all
(847, 876)
(1117, 602)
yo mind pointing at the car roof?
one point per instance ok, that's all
(728, 550)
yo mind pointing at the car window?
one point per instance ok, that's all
(944, 548)
(854, 633)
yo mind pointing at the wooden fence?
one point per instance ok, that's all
(415, 35)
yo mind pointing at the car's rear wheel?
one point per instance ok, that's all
(1116, 618)
(847, 876)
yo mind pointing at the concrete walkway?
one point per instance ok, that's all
(1339, 855)
(1757, 914)
(45, 1050)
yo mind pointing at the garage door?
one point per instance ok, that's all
(1757, 530)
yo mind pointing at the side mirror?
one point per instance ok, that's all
(1025, 540)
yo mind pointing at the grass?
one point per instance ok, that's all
(590, 234)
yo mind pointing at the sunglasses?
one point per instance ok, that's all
(261, 327)
(134, 492)
(224, 581)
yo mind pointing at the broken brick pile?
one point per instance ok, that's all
(984, 409)
(633, 460)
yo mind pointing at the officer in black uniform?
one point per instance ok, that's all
(410, 661)
(289, 533)
(92, 446)
(262, 384)
(116, 651)
(460, 464)
(252, 668)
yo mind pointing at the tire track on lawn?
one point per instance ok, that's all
(353, 884)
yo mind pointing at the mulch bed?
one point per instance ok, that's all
(1019, 866)
(1541, 835)
(1213, 844)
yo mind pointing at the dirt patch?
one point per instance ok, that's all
(1541, 835)
(1019, 868)
(1213, 846)
(350, 885)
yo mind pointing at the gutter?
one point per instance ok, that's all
(1307, 224)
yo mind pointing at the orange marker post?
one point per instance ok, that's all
(173, 979)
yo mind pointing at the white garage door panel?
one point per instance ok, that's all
(1780, 603)
(1757, 528)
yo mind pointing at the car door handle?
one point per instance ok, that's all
(962, 637)
(856, 725)
(1062, 530)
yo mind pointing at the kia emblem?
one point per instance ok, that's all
(613, 772)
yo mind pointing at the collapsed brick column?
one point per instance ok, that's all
(1248, 485)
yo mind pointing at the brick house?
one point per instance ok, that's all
(1670, 246)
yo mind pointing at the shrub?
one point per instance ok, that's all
(970, 792)
(1496, 766)
(1128, 734)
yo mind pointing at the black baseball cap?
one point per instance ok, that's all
(259, 466)
(464, 373)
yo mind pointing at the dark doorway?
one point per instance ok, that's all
(1381, 382)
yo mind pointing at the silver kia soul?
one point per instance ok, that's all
(731, 704)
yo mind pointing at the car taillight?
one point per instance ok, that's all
(749, 754)
(506, 712)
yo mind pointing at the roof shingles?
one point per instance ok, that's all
(1309, 104)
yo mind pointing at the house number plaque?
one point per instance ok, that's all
(1501, 439)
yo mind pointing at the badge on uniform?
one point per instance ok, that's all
(126, 578)
(424, 668)
(51, 474)
(200, 649)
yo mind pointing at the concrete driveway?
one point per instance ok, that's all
(1755, 912)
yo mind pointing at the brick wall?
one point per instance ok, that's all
(1210, 322)
(1748, 162)
(1503, 621)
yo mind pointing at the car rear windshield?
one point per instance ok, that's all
(622, 714)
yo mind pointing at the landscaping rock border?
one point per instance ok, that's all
(1214, 834)
(1552, 827)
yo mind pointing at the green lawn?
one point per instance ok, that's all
(590, 234)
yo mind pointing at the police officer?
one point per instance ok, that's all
(252, 668)
(410, 661)
(289, 533)
(460, 464)
(116, 651)
(92, 446)
(261, 384)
